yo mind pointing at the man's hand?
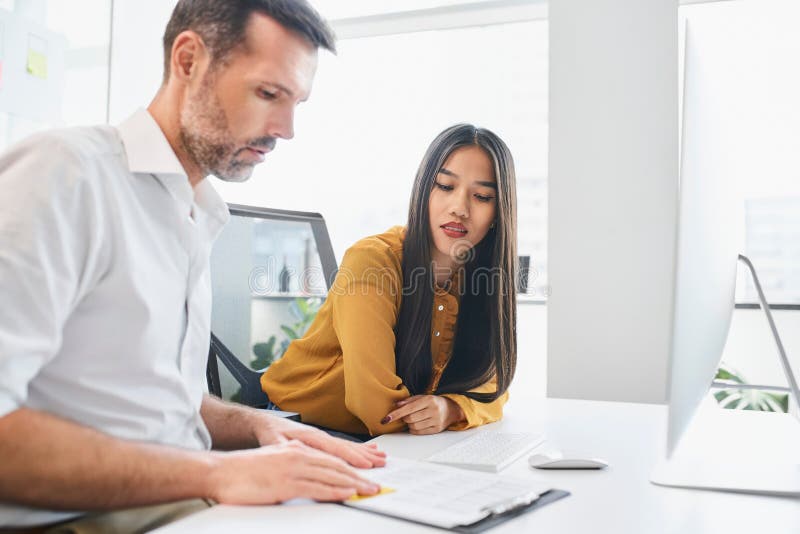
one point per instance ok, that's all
(426, 414)
(280, 472)
(271, 429)
(233, 426)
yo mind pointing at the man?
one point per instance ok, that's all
(105, 236)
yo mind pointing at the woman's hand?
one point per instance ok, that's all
(426, 414)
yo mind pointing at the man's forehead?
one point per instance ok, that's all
(263, 33)
(282, 56)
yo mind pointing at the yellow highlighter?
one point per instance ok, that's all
(384, 490)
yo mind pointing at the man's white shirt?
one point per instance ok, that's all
(104, 285)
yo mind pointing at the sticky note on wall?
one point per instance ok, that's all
(36, 63)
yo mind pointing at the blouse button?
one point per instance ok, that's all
(440, 307)
(436, 334)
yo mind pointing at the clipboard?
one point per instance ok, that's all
(452, 499)
(495, 519)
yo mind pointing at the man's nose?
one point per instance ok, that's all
(281, 124)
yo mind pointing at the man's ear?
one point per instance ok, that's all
(189, 52)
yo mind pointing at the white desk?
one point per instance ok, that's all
(618, 500)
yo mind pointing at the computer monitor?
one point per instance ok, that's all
(270, 271)
(707, 254)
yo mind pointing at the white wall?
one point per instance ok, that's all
(613, 196)
(136, 54)
(530, 380)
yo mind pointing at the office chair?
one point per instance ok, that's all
(249, 380)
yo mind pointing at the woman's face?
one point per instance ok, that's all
(462, 204)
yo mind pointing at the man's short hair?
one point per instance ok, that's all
(222, 24)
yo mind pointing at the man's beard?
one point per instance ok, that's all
(206, 138)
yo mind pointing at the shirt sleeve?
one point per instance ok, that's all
(46, 224)
(366, 303)
(478, 413)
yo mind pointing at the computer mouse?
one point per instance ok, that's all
(559, 460)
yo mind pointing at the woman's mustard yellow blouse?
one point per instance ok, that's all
(341, 374)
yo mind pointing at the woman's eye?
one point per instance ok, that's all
(444, 187)
(484, 198)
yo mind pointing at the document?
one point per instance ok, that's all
(443, 496)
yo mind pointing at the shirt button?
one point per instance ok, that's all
(440, 307)
(436, 334)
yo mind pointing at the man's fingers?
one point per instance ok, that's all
(320, 492)
(336, 472)
(333, 475)
(279, 439)
(340, 479)
(377, 457)
(337, 447)
(366, 456)
(356, 454)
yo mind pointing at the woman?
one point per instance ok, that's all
(419, 328)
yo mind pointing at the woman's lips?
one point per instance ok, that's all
(454, 231)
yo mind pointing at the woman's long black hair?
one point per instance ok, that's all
(486, 339)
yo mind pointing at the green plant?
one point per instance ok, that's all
(304, 310)
(266, 352)
(747, 399)
(263, 354)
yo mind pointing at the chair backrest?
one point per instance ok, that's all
(269, 270)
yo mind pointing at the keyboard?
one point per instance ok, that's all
(487, 451)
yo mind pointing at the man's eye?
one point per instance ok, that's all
(267, 95)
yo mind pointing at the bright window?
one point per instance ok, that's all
(378, 104)
(339, 9)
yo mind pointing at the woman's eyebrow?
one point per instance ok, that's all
(486, 183)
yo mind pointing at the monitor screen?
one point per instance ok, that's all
(707, 254)
(707, 244)
(268, 281)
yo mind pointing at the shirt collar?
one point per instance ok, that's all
(148, 152)
(210, 203)
(147, 148)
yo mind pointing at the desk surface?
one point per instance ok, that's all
(619, 499)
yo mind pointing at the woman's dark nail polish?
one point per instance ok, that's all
(385, 420)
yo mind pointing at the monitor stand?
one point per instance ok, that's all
(793, 390)
(740, 451)
(736, 450)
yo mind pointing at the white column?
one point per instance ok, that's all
(613, 182)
